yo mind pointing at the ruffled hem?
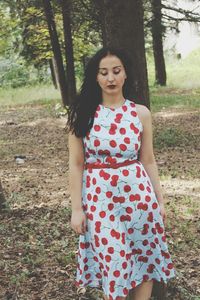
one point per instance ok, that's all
(127, 288)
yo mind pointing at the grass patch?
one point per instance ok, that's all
(41, 94)
(170, 137)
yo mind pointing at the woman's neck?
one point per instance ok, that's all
(112, 99)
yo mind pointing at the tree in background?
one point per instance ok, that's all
(157, 30)
(56, 50)
(122, 26)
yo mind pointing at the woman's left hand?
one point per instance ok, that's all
(162, 212)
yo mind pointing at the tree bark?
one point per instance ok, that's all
(2, 197)
(157, 33)
(71, 81)
(56, 50)
(53, 74)
(122, 26)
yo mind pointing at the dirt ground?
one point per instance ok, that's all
(37, 245)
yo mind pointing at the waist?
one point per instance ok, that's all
(99, 165)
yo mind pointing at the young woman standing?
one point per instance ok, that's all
(117, 203)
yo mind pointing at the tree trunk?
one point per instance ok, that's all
(2, 197)
(122, 26)
(56, 50)
(71, 81)
(157, 33)
(53, 74)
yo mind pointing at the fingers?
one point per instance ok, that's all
(81, 229)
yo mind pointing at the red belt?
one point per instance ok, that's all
(98, 165)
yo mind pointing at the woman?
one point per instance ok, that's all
(117, 203)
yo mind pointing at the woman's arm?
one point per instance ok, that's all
(76, 162)
(146, 151)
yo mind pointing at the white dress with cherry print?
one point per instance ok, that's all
(125, 241)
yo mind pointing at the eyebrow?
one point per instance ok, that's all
(113, 67)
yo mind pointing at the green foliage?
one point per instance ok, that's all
(16, 73)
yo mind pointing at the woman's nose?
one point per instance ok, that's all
(110, 77)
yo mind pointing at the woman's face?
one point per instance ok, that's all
(111, 75)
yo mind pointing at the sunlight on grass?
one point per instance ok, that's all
(40, 94)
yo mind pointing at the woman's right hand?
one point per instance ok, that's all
(78, 221)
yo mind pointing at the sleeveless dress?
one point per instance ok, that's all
(125, 241)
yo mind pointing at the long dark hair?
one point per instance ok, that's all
(81, 111)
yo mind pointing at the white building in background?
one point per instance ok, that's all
(189, 37)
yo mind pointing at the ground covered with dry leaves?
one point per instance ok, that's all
(37, 245)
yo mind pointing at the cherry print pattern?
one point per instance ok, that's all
(125, 241)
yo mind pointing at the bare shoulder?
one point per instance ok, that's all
(144, 113)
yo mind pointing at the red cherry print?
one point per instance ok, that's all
(102, 214)
(133, 283)
(129, 210)
(145, 242)
(145, 206)
(104, 241)
(144, 173)
(125, 291)
(109, 194)
(145, 259)
(96, 143)
(133, 113)
(113, 232)
(114, 180)
(156, 240)
(123, 147)
(108, 258)
(110, 250)
(98, 190)
(122, 130)
(118, 118)
(150, 217)
(113, 143)
(170, 266)
(154, 205)
(98, 275)
(160, 230)
(85, 260)
(95, 198)
(97, 128)
(125, 172)
(164, 238)
(153, 230)
(112, 218)
(167, 272)
(149, 252)
(127, 140)
(141, 187)
(122, 253)
(85, 268)
(94, 181)
(147, 198)
(157, 260)
(127, 188)
(140, 205)
(87, 276)
(89, 197)
(93, 208)
(112, 131)
(113, 126)
(153, 245)
(130, 230)
(117, 235)
(110, 206)
(137, 197)
(116, 273)
(145, 277)
(148, 189)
